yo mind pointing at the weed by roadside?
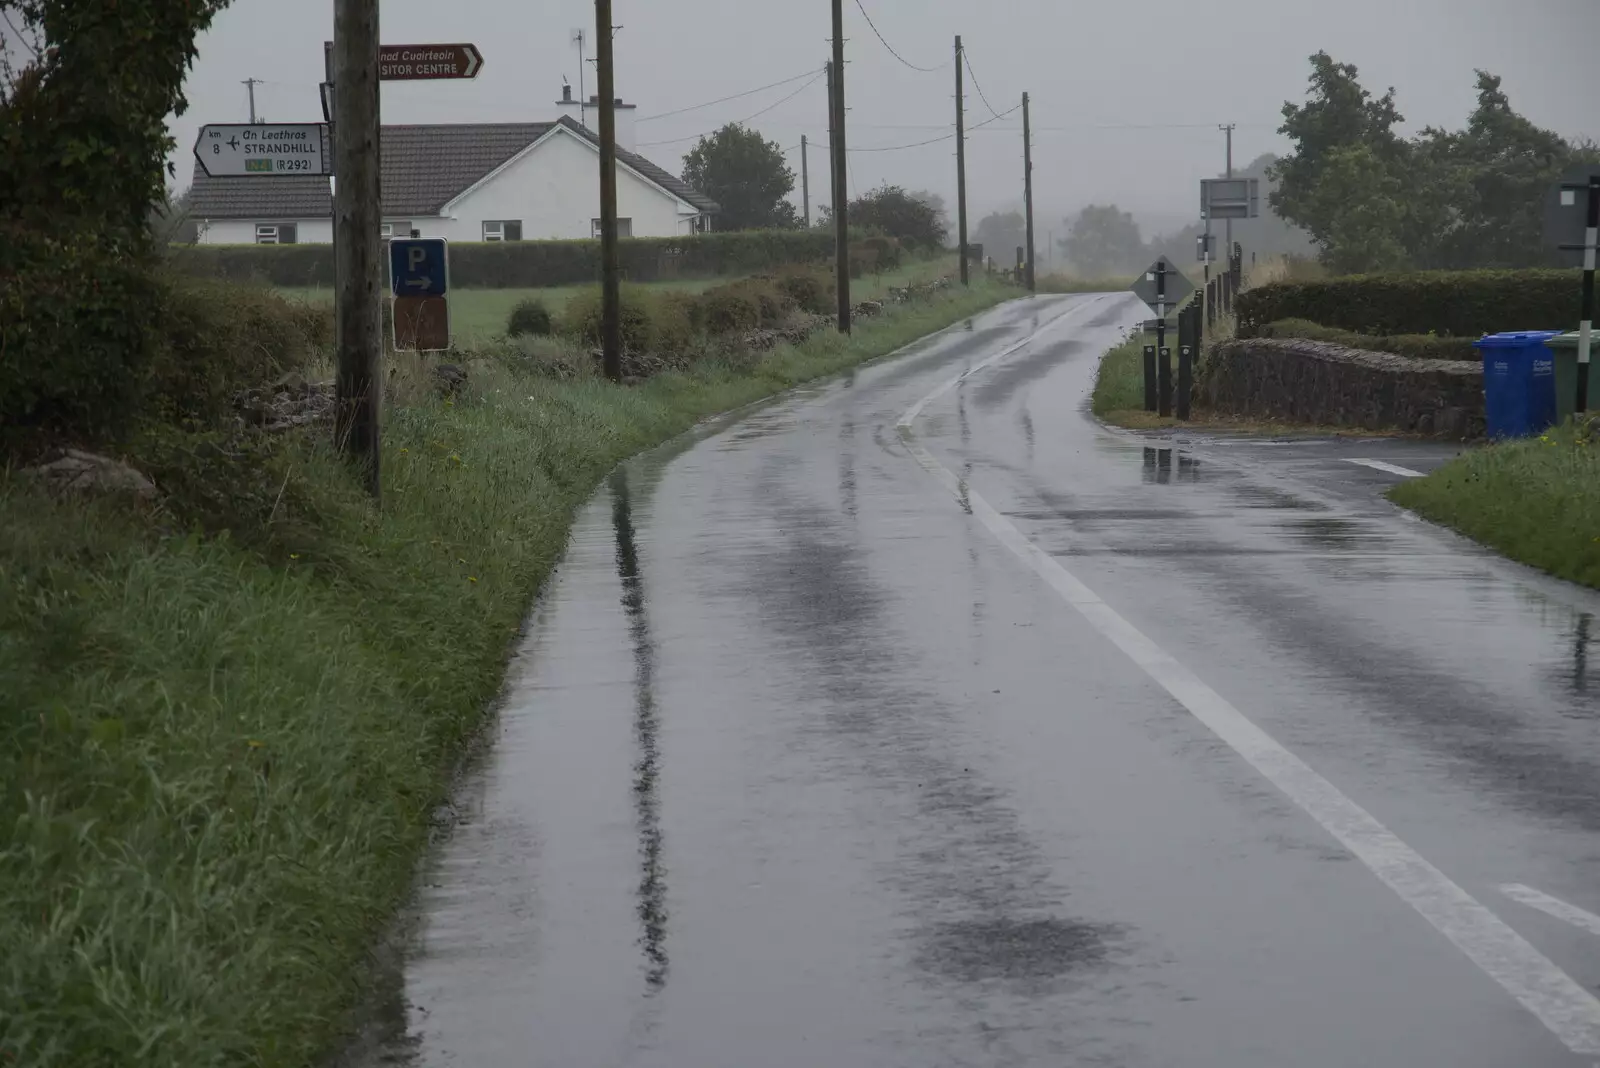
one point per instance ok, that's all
(1535, 500)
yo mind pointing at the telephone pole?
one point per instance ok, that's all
(961, 167)
(1227, 236)
(841, 179)
(805, 182)
(250, 84)
(1027, 184)
(610, 268)
(358, 223)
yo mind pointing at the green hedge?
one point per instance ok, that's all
(1419, 346)
(531, 264)
(1453, 303)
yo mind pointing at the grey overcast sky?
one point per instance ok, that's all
(1127, 94)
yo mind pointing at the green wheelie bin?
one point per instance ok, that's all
(1565, 349)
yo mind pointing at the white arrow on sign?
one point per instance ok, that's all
(262, 150)
(419, 283)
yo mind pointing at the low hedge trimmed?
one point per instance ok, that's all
(532, 264)
(1419, 346)
(1445, 303)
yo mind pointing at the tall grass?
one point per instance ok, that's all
(1536, 500)
(220, 748)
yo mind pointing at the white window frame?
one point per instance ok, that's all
(624, 227)
(267, 233)
(495, 229)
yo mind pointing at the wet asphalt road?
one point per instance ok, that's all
(807, 761)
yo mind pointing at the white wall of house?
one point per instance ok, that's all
(554, 190)
(241, 232)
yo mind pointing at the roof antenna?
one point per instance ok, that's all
(580, 37)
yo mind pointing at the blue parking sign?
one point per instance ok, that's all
(419, 267)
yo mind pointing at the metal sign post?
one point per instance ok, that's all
(1572, 227)
(1591, 237)
(1162, 287)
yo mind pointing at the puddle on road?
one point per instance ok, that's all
(1162, 468)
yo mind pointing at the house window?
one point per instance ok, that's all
(275, 233)
(503, 230)
(397, 229)
(624, 228)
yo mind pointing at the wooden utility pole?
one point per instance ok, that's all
(358, 243)
(841, 179)
(610, 265)
(250, 85)
(1027, 184)
(805, 183)
(961, 167)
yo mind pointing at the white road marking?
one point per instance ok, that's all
(1393, 469)
(1552, 906)
(1565, 1007)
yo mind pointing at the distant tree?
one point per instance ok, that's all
(1103, 240)
(747, 175)
(1000, 234)
(893, 211)
(1338, 114)
(936, 202)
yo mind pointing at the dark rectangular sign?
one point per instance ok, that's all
(417, 63)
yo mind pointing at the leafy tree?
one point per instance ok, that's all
(83, 133)
(1103, 240)
(936, 202)
(890, 210)
(1000, 234)
(1339, 113)
(1365, 203)
(747, 175)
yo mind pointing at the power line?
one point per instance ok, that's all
(947, 137)
(890, 47)
(724, 100)
(695, 137)
(23, 41)
(968, 59)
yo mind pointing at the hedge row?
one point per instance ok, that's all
(531, 264)
(1453, 303)
(1418, 346)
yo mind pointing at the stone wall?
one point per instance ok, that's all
(1298, 381)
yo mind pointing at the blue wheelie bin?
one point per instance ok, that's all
(1519, 383)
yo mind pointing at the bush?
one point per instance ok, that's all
(1419, 346)
(659, 324)
(530, 316)
(532, 264)
(78, 321)
(726, 309)
(1453, 303)
(886, 252)
(812, 289)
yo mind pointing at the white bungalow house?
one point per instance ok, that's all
(474, 182)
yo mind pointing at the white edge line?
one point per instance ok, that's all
(1552, 906)
(1393, 469)
(1569, 1011)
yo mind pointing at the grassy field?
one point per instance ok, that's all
(220, 750)
(479, 315)
(1536, 501)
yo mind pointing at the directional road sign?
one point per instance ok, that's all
(1230, 198)
(415, 63)
(419, 266)
(1174, 286)
(277, 149)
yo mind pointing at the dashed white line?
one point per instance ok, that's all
(1564, 1006)
(1393, 469)
(1552, 906)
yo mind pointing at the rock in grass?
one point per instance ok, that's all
(74, 472)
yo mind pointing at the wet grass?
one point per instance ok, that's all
(220, 749)
(1537, 501)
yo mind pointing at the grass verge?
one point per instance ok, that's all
(221, 744)
(1537, 501)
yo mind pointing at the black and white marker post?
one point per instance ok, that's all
(1164, 354)
(1591, 237)
(1188, 329)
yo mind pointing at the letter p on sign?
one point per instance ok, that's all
(417, 255)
